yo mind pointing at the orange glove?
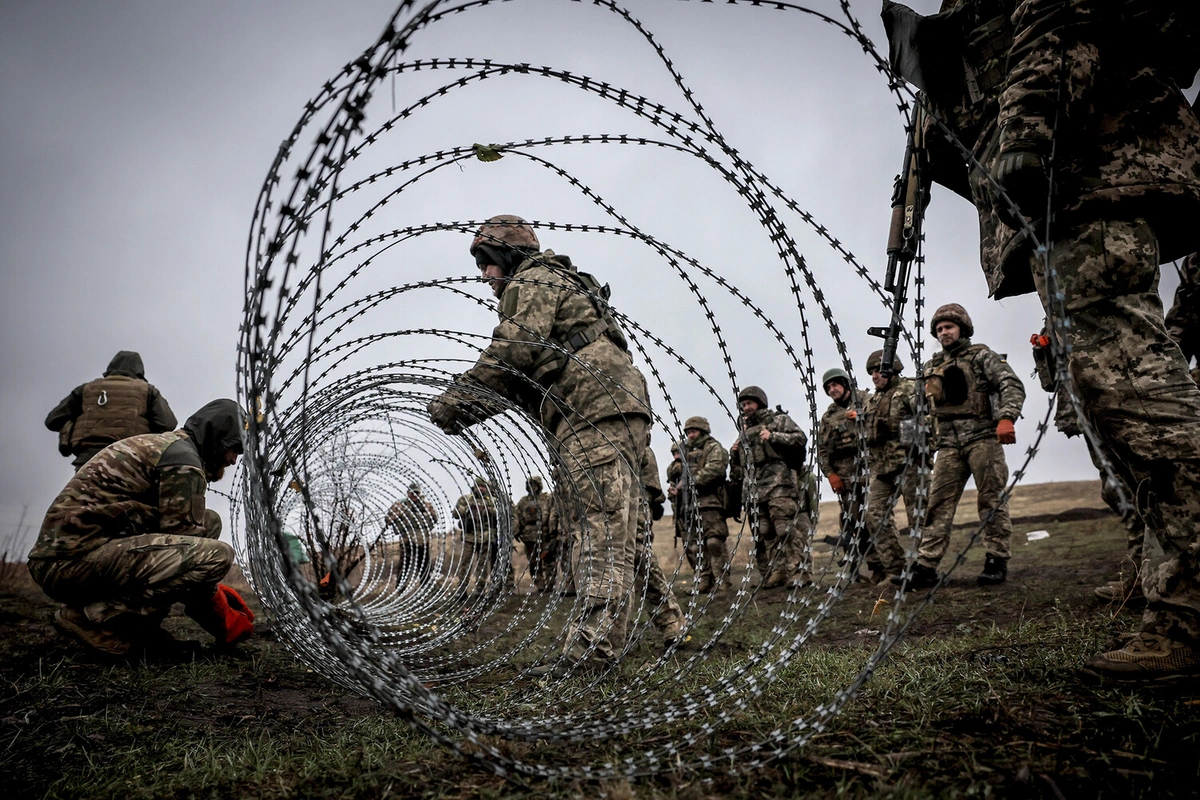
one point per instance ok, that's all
(226, 616)
(1005, 432)
(852, 415)
(835, 482)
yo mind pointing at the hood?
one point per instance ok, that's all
(215, 428)
(126, 362)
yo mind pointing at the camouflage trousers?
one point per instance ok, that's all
(852, 502)
(141, 575)
(602, 467)
(705, 548)
(665, 613)
(478, 564)
(887, 543)
(781, 540)
(983, 460)
(1134, 386)
(542, 555)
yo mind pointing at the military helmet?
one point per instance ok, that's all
(414, 488)
(675, 448)
(481, 481)
(952, 312)
(699, 423)
(835, 374)
(534, 483)
(753, 393)
(876, 359)
(507, 229)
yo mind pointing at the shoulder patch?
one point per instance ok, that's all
(508, 301)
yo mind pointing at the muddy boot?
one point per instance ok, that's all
(106, 639)
(706, 584)
(995, 571)
(1119, 591)
(776, 579)
(1147, 657)
(922, 577)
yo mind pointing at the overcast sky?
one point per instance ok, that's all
(136, 136)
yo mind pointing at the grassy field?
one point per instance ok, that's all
(984, 698)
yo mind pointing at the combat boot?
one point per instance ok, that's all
(1120, 591)
(706, 584)
(1147, 657)
(104, 639)
(922, 577)
(776, 579)
(995, 571)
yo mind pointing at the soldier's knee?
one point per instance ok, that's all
(212, 524)
(213, 562)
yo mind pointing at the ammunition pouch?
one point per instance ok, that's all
(956, 392)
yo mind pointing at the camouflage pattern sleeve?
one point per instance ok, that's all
(711, 472)
(1004, 380)
(181, 500)
(786, 435)
(650, 479)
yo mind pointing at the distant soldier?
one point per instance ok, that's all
(119, 405)
(770, 447)
(412, 521)
(477, 516)
(678, 506)
(129, 536)
(838, 455)
(703, 483)
(891, 433)
(532, 530)
(974, 397)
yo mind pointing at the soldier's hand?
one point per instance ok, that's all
(852, 415)
(733, 447)
(445, 416)
(764, 434)
(835, 482)
(1005, 432)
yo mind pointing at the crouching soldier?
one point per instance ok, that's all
(129, 536)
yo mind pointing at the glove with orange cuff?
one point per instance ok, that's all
(1005, 432)
(835, 482)
(226, 616)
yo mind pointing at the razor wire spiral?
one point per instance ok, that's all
(338, 381)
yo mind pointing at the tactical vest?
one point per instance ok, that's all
(880, 431)
(712, 495)
(529, 512)
(113, 408)
(956, 390)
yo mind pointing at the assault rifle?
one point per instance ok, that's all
(910, 195)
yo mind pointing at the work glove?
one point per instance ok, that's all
(445, 416)
(1005, 432)
(225, 615)
(852, 415)
(835, 482)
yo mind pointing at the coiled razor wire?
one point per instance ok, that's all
(371, 593)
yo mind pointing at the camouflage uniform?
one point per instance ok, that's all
(559, 354)
(887, 410)
(531, 519)
(476, 514)
(703, 486)
(838, 454)
(678, 498)
(100, 412)
(129, 534)
(1126, 197)
(412, 520)
(970, 388)
(772, 500)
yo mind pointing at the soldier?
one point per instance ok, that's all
(974, 397)
(703, 484)
(412, 521)
(838, 455)
(129, 536)
(774, 446)
(1125, 198)
(678, 507)
(532, 520)
(477, 516)
(97, 413)
(559, 354)
(891, 432)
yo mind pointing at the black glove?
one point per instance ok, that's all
(656, 510)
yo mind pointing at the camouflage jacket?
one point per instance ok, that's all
(1126, 143)
(886, 411)
(153, 483)
(412, 518)
(1183, 320)
(707, 461)
(543, 309)
(531, 517)
(970, 387)
(774, 477)
(674, 494)
(837, 437)
(807, 499)
(476, 513)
